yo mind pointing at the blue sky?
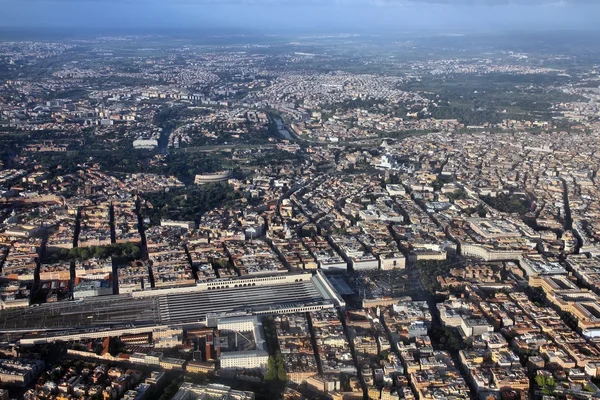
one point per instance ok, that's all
(304, 15)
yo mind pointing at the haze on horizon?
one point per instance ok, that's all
(377, 16)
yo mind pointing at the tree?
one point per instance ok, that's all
(281, 373)
(589, 388)
(458, 194)
(448, 338)
(509, 203)
(271, 374)
(276, 369)
(222, 263)
(171, 389)
(481, 211)
(99, 252)
(189, 203)
(539, 380)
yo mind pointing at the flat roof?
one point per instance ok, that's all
(189, 307)
(125, 312)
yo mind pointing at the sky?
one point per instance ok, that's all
(352, 16)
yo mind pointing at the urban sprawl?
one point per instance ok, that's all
(289, 220)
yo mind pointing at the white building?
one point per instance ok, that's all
(475, 327)
(392, 261)
(256, 359)
(148, 144)
(489, 254)
(178, 224)
(190, 391)
(395, 190)
(251, 359)
(364, 262)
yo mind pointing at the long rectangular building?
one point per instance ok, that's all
(197, 306)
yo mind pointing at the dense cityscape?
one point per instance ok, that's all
(309, 217)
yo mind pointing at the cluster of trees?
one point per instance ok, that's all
(365, 104)
(276, 157)
(467, 115)
(430, 270)
(127, 251)
(254, 136)
(509, 203)
(548, 384)
(116, 159)
(76, 93)
(491, 98)
(276, 369)
(186, 165)
(187, 204)
(123, 159)
(166, 117)
(543, 381)
(276, 374)
(458, 194)
(11, 143)
(171, 389)
(447, 338)
(480, 210)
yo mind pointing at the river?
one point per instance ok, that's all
(281, 129)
